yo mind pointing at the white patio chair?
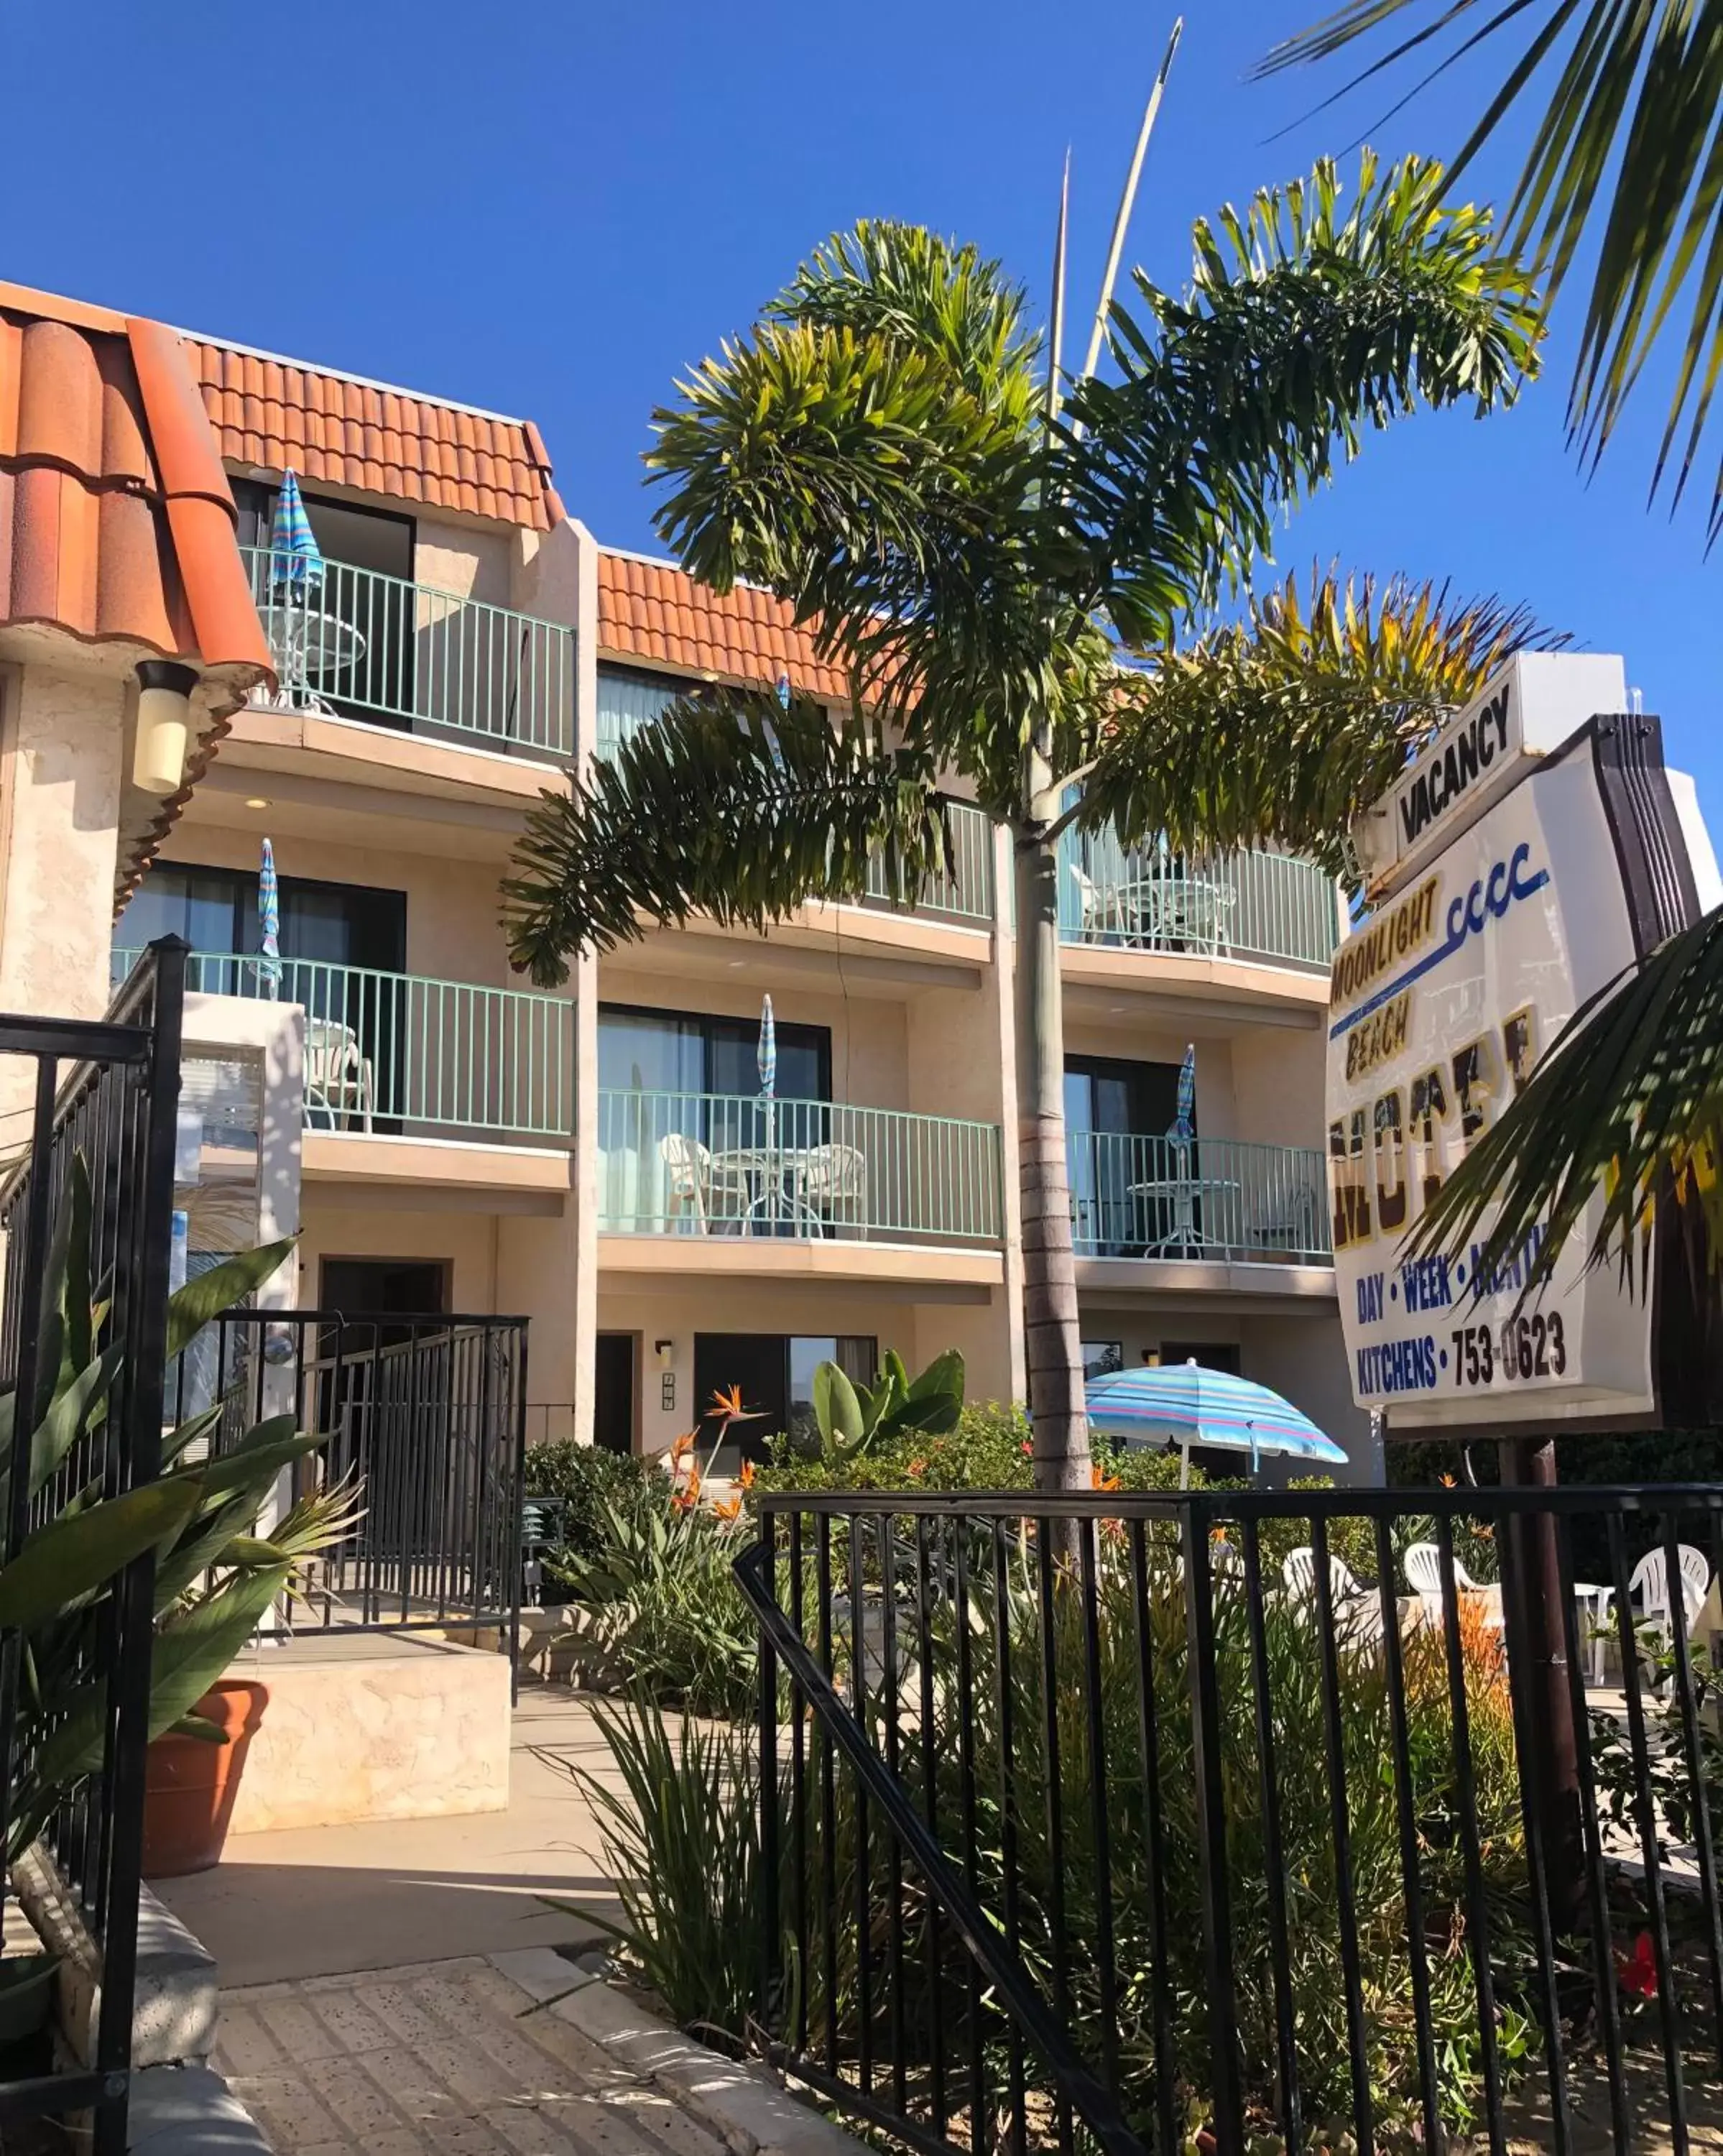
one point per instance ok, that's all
(1357, 1608)
(1289, 1221)
(1649, 1591)
(338, 1074)
(833, 1176)
(1423, 1575)
(1097, 905)
(688, 1167)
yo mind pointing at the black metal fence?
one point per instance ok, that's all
(103, 1093)
(426, 1417)
(1300, 1820)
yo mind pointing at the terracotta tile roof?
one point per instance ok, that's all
(116, 521)
(652, 614)
(117, 525)
(275, 412)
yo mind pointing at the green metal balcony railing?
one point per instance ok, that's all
(1247, 906)
(1217, 1199)
(399, 1053)
(365, 645)
(967, 894)
(715, 1164)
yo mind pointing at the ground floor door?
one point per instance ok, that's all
(613, 1417)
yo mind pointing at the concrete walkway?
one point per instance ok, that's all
(319, 1902)
(452, 2059)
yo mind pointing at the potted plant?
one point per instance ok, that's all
(215, 1576)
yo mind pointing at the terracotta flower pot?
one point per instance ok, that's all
(190, 1783)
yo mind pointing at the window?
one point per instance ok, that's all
(1117, 1116)
(681, 1052)
(630, 702)
(1101, 1358)
(215, 910)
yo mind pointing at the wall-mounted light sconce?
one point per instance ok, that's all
(164, 725)
(664, 1353)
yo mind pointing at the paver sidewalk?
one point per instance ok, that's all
(440, 2059)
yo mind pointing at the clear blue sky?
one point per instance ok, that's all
(550, 210)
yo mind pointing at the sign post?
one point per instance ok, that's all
(1527, 856)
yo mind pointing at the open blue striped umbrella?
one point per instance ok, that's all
(295, 558)
(1184, 1128)
(1189, 1405)
(268, 917)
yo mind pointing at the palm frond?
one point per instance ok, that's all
(871, 452)
(1305, 325)
(1629, 1099)
(1628, 150)
(727, 805)
(1282, 729)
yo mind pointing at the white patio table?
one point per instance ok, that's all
(773, 1175)
(1183, 1193)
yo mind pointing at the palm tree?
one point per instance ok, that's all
(887, 449)
(1630, 141)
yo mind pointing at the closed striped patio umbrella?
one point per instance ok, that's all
(295, 558)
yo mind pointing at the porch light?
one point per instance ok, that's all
(164, 725)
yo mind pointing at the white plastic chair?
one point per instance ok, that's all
(688, 1167)
(1096, 906)
(1357, 1610)
(338, 1074)
(1649, 1590)
(1424, 1574)
(831, 1175)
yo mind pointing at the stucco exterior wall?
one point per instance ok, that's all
(62, 750)
(467, 1243)
(454, 557)
(1278, 1076)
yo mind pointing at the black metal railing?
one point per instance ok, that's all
(426, 1417)
(1374, 1819)
(104, 1094)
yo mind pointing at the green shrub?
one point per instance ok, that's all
(581, 1479)
(658, 1605)
(1057, 1913)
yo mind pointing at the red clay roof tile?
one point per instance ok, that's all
(323, 425)
(654, 613)
(117, 524)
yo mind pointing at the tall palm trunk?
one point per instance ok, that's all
(1055, 1362)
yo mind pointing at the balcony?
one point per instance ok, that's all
(399, 1054)
(1259, 908)
(1216, 1200)
(420, 660)
(711, 1165)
